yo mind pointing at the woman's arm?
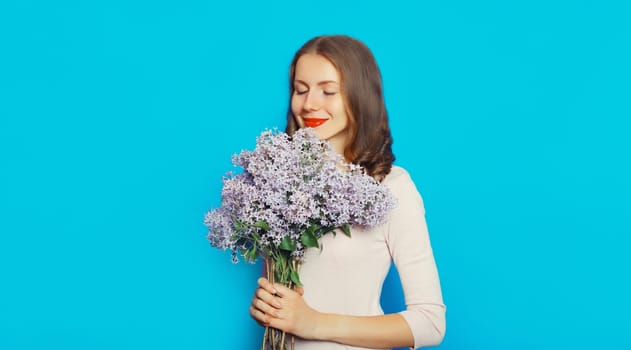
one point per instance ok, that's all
(282, 308)
(409, 245)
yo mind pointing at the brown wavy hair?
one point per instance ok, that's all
(370, 142)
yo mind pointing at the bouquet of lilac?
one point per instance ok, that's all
(292, 191)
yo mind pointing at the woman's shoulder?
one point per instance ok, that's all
(397, 175)
(400, 182)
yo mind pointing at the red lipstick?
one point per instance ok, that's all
(314, 122)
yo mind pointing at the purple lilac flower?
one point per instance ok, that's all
(289, 184)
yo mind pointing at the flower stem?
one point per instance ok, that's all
(265, 338)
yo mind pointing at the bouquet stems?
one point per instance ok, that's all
(278, 270)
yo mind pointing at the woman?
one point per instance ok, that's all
(336, 89)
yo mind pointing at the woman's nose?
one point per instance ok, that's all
(312, 102)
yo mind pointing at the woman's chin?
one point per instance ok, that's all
(319, 134)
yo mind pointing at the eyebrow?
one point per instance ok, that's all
(324, 82)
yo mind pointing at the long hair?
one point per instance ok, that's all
(370, 142)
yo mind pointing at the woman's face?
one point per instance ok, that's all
(317, 101)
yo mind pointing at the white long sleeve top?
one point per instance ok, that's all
(347, 274)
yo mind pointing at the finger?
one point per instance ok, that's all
(283, 291)
(266, 308)
(278, 323)
(259, 316)
(265, 296)
(265, 284)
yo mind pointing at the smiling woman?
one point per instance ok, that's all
(335, 88)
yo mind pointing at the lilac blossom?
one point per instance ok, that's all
(289, 187)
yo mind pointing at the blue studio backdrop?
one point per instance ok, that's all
(119, 118)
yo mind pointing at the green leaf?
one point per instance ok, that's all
(295, 278)
(324, 230)
(287, 244)
(346, 230)
(262, 224)
(308, 239)
(279, 267)
(280, 261)
(251, 254)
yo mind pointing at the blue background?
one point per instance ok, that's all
(118, 119)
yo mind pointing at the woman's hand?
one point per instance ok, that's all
(264, 303)
(277, 306)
